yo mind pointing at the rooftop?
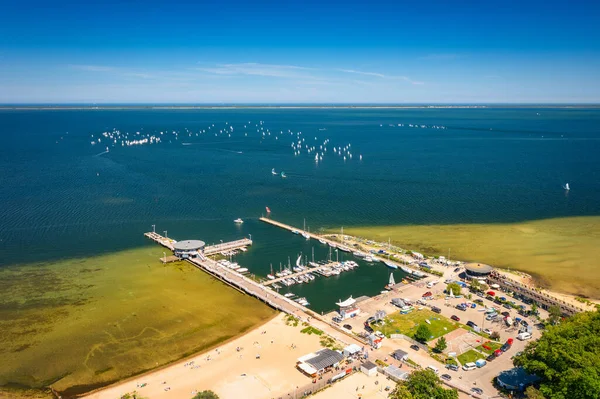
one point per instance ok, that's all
(369, 365)
(188, 245)
(478, 268)
(322, 358)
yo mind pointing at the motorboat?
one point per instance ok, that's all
(238, 221)
(390, 264)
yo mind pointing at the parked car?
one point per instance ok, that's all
(523, 336)
(446, 377)
(480, 294)
(507, 306)
(505, 314)
(347, 326)
(471, 324)
(455, 317)
(478, 301)
(415, 347)
(457, 270)
(487, 331)
(491, 293)
(461, 307)
(452, 367)
(469, 366)
(478, 391)
(436, 309)
(490, 357)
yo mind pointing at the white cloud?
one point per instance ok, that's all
(256, 69)
(379, 75)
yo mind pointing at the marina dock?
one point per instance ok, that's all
(308, 270)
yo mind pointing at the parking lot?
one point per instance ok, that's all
(460, 340)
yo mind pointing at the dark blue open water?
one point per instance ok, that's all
(60, 199)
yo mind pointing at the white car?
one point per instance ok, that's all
(469, 366)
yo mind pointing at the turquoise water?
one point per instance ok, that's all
(62, 198)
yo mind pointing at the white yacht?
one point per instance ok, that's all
(238, 221)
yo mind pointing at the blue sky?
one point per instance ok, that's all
(300, 51)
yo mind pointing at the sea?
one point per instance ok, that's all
(77, 183)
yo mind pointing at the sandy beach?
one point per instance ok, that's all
(229, 372)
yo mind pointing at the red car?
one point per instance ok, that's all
(427, 294)
(455, 318)
(491, 293)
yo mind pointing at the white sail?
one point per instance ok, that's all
(392, 282)
(566, 186)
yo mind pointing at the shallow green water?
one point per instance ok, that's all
(81, 323)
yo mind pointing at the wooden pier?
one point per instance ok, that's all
(227, 246)
(164, 241)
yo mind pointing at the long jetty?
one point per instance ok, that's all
(312, 235)
(330, 242)
(227, 246)
(164, 241)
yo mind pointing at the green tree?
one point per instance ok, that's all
(495, 336)
(534, 308)
(554, 314)
(425, 384)
(567, 358)
(532, 393)
(401, 392)
(475, 285)
(454, 287)
(441, 344)
(206, 395)
(423, 333)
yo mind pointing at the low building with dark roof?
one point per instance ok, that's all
(368, 368)
(320, 361)
(399, 354)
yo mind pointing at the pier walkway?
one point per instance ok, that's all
(315, 236)
(227, 246)
(308, 270)
(164, 241)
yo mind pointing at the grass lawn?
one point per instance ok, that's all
(491, 344)
(407, 324)
(311, 330)
(470, 356)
